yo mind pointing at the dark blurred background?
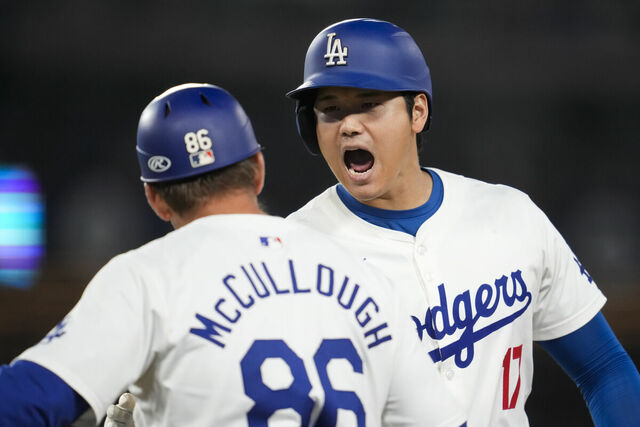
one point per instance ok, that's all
(539, 95)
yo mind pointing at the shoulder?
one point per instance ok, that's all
(478, 197)
(212, 234)
(473, 207)
(327, 214)
(159, 269)
(321, 212)
(323, 201)
(461, 184)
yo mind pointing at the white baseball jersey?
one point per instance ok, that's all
(246, 320)
(488, 274)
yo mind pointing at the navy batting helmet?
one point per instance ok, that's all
(360, 53)
(192, 129)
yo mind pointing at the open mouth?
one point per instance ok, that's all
(358, 161)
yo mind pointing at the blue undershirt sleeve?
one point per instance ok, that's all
(603, 371)
(31, 395)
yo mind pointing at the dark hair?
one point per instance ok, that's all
(409, 100)
(185, 195)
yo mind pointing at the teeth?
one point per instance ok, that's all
(351, 170)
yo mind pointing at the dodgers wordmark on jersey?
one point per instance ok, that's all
(237, 320)
(487, 275)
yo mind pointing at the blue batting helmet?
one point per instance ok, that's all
(192, 129)
(360, 53)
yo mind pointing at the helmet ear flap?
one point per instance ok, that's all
(306, 122)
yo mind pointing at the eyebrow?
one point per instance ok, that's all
(360, 95)
(368, 94)
(325, 97)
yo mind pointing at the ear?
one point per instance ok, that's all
(420, 113)
(157, 203)
(259, 177)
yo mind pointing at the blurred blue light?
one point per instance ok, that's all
(22, 227)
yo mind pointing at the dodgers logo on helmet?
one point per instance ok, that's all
(334, 48)
(192, 129)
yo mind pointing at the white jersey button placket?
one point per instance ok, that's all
(421, 259)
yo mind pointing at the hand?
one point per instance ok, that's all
(121, 415)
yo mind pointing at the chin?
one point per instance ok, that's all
(361, 193)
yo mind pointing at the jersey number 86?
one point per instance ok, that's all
(296, 396)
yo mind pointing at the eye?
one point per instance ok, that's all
(326, 108)
(369, 105)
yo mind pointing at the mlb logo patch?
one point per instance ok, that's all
(270, 241)
(201, 158)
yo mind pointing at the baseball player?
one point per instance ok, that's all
(487, 272)
(236, 318)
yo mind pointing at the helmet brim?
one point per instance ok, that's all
(354, 79)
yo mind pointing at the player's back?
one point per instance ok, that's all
(263, 320)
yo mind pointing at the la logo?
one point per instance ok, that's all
(334, 48)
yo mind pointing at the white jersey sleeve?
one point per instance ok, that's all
(568, 296)
(106, 340)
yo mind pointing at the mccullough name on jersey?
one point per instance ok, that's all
(256, 281)
(464, 316)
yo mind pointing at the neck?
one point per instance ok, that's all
(234, 202)
(412, 190)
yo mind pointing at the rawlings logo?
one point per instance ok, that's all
(159, 163)
(464, 316)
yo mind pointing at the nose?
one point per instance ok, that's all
(351, 125)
